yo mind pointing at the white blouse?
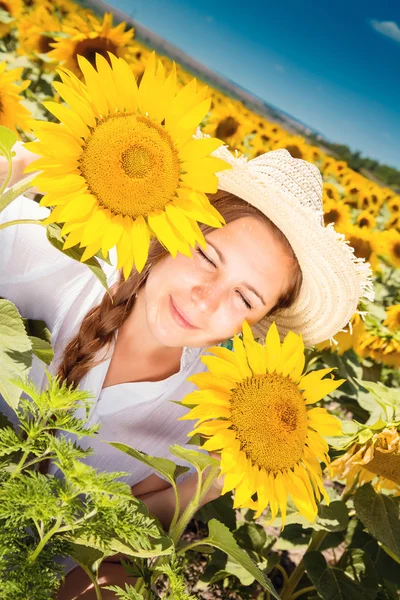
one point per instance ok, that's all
(45, 284)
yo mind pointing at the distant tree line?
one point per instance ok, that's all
(386, 175)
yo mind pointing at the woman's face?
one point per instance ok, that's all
(251, 268)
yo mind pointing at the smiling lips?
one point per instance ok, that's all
(179, 317)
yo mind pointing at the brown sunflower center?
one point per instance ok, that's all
(332, 216)
(269, 416)
(364, 222)
(226, 128)
(362, 248)
(44, 44)
(130, 165)
(294, 150)
(89, 47)
(396, 250)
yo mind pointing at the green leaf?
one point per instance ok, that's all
(166, 467)
(159, 547)
(42, 349)
(87, 556)
(40, 337)
(7, 140)
(334, 517)
(382, 401)
(333, 583)
(380, 515)
(54, 236)
(198, 459)
(129, 593)
(359, 566)
(220, 537)
(15, 351)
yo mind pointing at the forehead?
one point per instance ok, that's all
(249, 245)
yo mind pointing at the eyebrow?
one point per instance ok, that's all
(223, 261)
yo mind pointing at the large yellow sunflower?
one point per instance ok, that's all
(123, 166)
(254, 407)
(89, 37)
(12, 112)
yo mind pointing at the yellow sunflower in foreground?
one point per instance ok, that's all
(254, 407)
(123, 166)
(375, 461)
(12, 112)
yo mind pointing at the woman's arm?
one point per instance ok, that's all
(22, 159)
(162, 503)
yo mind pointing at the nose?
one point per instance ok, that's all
(206, 297)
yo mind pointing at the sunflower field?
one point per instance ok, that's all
(306, 440)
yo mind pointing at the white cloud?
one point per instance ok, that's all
(280, 68)
(388, 28)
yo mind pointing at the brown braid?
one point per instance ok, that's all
(100, 324)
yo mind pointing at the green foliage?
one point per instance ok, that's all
(380, 515)
(355, 580)
(83, 513)
(15, 351)
(176, 585)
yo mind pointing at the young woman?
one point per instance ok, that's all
(273, 260)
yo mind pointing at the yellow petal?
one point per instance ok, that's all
(113, 233)
(140, 242)
(94, 227)
(255, 352)
(211, 428)
(272, 348)
(324, 387)
(207, 380)
(220, 440)
(240, 353)
(199, 148)
(219, 366)
(70, 119)
(159, 224)
(82, 205)
(323, 422)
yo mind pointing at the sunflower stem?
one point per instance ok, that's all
(304, 590)
(21, 221)
(177, 530)
(16, 190)
(315, 542)
(194, 504)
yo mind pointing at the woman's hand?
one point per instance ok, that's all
(22, 159)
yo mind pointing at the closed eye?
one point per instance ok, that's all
(245, 302)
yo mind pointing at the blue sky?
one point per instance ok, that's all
(333, 65)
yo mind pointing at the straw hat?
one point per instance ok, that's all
(289, 191)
